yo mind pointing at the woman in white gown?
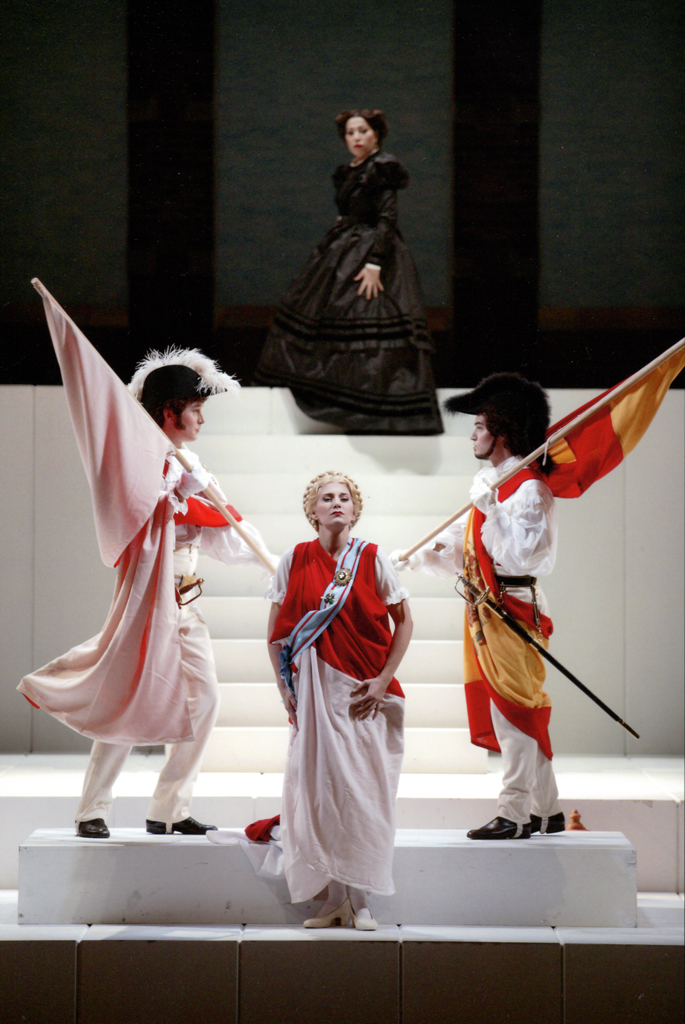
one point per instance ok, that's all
(334, 657)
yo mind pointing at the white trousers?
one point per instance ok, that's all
(171, 799)
(528, 782)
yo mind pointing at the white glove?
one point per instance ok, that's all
(193, 482)
(482, 496)
(400, 563)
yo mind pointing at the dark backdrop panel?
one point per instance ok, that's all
(284, 71)
(612, 139)
(63, 169)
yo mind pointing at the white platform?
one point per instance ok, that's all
(442, 878)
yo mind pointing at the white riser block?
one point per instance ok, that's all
(247, 581)
(250, 704)
(441, 878)
(391, 532)
(435, 705)
(274, 411)
(263, 749)
(426, 661)
(235, 618)
(428, 705)
(442, 751)
(308, 456)
(245, 618)
(382, 494)
(255, 749)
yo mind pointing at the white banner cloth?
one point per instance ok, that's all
(126, 684)
(122, 448)
(339, 788)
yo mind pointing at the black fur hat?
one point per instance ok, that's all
(518, 409)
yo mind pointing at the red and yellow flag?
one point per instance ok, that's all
(598, 444)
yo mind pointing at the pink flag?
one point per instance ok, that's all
(126, 684)
(122, 448)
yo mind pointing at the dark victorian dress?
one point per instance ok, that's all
(362, 364)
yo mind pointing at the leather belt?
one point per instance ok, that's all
(511, 582)
(516, 581)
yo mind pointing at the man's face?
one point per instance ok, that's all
(186, 425)
(483, 441)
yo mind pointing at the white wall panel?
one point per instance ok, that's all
(16, 588)
(616, 593)
(654, 562)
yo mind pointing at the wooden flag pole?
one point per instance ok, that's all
(209, 492)
(212, 496)
(561, 433)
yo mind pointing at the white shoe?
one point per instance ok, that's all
(363, 921)
(338, 917)
(361, 915)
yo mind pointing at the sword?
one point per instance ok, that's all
(475, 596)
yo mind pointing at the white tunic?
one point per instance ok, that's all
(519, 534)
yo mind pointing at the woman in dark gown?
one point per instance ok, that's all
(350, 337)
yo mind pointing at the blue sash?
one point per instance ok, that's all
(313, 623)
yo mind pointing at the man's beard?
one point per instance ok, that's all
(488, 453)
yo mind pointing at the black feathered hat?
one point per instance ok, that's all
(520, 408)
(178, 373)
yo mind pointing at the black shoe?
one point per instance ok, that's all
(555, 823)
(501, 828)
(93, 829)
(187, 827)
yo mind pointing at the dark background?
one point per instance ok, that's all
(165, 170)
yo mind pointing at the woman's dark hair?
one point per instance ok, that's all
(374, 118)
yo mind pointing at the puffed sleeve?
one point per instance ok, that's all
(388, 586)
(520, 533)
(387, 172)
(449, 559)
(279, 581)
(226, 545)
(385, 177)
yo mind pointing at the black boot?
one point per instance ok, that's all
(93, 829)
(555, 823)
(501, 828)
(187, 827)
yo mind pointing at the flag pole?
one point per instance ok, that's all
(552, 440)
(209, 492)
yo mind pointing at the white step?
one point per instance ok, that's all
(306, 457)
(426, 661)
(435, 495)
(273, 411)
(248, 581)
(427, 705)
(263, 749)
(441, 877)
(245, 618)
(388, 531)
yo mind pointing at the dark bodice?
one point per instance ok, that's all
(367, 194)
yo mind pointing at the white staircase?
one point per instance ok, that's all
(260, 449)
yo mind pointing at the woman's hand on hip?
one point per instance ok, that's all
(371, 697)
(370, 286)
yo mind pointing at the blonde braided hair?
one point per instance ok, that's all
(311, 494)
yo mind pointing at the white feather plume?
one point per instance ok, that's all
(214, 380)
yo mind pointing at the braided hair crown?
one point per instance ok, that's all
(311, 494)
